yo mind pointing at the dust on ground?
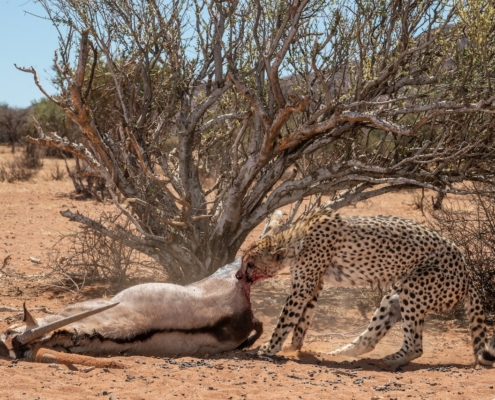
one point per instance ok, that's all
(31, 224)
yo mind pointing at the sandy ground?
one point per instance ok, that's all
(30, 224)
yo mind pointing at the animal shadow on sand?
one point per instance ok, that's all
(307, 358)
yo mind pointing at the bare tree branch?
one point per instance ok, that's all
(209, 116)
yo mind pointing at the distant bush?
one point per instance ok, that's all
(14, 124)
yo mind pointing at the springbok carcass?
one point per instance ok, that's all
(155, 319)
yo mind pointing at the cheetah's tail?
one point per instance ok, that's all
(487, 356)
(484, 350)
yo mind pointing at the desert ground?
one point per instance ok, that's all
(31, 224)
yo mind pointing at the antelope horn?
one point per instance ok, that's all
(38, 332)
(51, 356)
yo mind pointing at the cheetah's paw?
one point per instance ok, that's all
(398, 359)
(264, 350)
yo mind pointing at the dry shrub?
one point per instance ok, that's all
(88, 256)
(58, 174)
(420, 200)
(22, 168)
(470, 223)
(16, 171)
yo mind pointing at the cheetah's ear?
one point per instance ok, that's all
(279, 254)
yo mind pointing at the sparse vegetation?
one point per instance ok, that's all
(23, 167)
(58, 174)
(88, 256)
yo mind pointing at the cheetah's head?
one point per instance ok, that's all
(261, 260)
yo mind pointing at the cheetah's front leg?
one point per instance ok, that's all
(290, 315)
(302, 325)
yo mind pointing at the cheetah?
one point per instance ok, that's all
(421, 271)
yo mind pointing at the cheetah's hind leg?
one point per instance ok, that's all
(383, 319)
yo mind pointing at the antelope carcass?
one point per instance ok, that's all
(158, 319)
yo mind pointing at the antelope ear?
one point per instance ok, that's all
(28, 319)
(279, 255)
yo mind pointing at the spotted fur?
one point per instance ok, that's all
(421, 271)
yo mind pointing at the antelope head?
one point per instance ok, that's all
(20, 341)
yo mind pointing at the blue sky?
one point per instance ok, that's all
(27, 41)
